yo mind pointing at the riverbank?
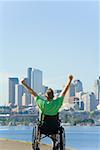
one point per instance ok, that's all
(6, 144)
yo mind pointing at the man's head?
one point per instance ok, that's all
(49, 94)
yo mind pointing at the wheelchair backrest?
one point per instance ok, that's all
(50, 119)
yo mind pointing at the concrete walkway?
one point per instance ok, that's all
(17, 145)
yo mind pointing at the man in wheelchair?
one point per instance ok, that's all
(49, 124)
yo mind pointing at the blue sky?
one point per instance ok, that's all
(56, 37)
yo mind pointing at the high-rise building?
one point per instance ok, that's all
(19, 94)
(37, 81)
(78, 86)
(29, 72)
(25, 99)
(29, 76)
(97, 89)
(90, 102)
(12, 83)
(24, 102)
(16, 94)
(28, 95)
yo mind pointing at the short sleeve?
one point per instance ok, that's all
(40, 102)
(60, 100)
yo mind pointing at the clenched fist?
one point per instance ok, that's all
(23, 82)
(70, 77)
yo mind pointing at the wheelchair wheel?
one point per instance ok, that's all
(62, 138)
(35, 143)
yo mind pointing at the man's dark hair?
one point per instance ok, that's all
(49, 94)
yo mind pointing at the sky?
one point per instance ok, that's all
(57, 37)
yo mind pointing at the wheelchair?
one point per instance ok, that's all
(49, 126)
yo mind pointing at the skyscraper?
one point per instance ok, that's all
(12, 83)
(97, 89)
(89, 100)
(19, 94)
(28, 97)
(78, 86)
(25, 99)
(29, 71)
(37, 81)
(29, 76)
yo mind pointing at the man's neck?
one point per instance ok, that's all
(49, 100)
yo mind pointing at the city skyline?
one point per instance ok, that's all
(59, 38)
(14, 85)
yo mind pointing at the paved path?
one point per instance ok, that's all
(16, 145)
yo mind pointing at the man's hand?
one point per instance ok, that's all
(26, 86)
(22, 81)
(70, 77)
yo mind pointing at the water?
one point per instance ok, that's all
(78, 138)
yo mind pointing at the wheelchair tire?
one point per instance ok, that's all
(60, 145)
(35, 138)
(62, 138)
(37, 148)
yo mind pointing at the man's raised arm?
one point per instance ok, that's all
(34, 94)
(63, 93)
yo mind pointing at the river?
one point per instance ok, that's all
(77, 137)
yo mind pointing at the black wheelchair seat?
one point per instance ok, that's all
(50, 124)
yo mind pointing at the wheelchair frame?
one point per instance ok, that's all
(58, 139)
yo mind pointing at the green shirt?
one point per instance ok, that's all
(49, 108)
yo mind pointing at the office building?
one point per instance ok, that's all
(37, 85)
(78, 86)
(25, 99)
(89, 100)
(27, 81)
(19, 94)
(29, 72)
(12, 83)
(97, 89)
